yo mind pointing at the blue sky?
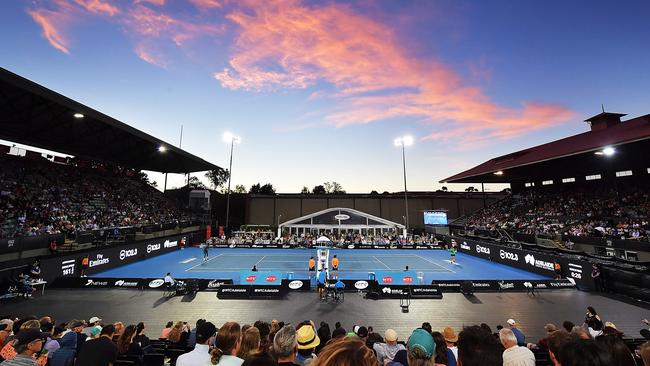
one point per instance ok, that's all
(319, 90)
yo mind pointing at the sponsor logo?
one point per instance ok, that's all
(508, 255)
(286, 246)
(156, 283)
(408, 279)
(530, 259)
(416, 290)
(361, 285)
(271, 278)
(540, 285)
(92, 283)
(67, 267)
(577, 275)
(528, 284)
(480, 284)
(561, 284)
(351, 246)
(153, 247)
(11, 243)
(294, 285)
(233, 290)
(480, 249)
(266, 290)
(100, 260)
(387, 279)
(392, 291)
(122, 283)
(506, 285)
(447, 284)
(172, 244)
(421, 247)
(407, 247)
(126, 253)
(216, 284)
(342, 217)
(465, 246)
(233, 245)
(251, 278)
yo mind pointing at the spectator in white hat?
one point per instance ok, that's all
(521, 338)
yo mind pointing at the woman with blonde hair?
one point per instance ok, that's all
(250, 344)
(226, 345)
(348, 351)
(178, 334)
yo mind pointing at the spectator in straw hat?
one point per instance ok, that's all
(451, 338)
(307, 343)
(388, 350)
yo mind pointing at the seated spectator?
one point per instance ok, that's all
(421, 349)
(521, 338)
(324, 334)
(99, 352)
(584, 352)
(226, 345)
(476, 347)
(5, 331)
(250, 344)
(205, 331)
(9, 352)
(191, 339)
(28, 343)
(515, 355)
(451, 338)
(125, 344)
(65, 355)
(179, 334)
(443, 354)
(556, 342)
(285, 346)
(350, 351)
(645, 353)
(614, 346)
(264, 329)
(119, 329)
(140, 338)
(53, 341)
(307, 343)
(165, 332)
(77, 327)
(387, 351)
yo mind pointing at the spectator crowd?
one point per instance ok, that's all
(39, 197)
(40, 342)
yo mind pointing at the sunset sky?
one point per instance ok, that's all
(318, 90)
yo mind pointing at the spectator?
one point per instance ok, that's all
(191, 340)
(140, 338)
(568, 326)
(165, 332)
(65, 355)
(350, 351)
(204, 333)
(476, 347)
(179, 334)
(421, 349)
(443, 354)
(387, 351)
(427, 326)
(615, 347)
(556, 342)
(584, 352)
(9, 352)
(362, 332)
(593, 321)
(339, 332)
(125, 344)
(28, 343)
(324, 335)
(514, 355)
(119, 329)
(250, 344)
(99, 352)
(451, 338)
(521, 338)
(5, 331)
(52, 343)
(227, 345)
(264, 329)
(645, 353)
(285, 346)
(307, 343)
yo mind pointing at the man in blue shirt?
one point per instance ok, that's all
(339, 287)
(320, 283)
(521, 338)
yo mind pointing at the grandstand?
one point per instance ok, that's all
(112, 246)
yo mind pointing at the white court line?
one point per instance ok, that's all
(187, 260)
(428, 260)
(215, 257)
(258, 262)
(382, 263)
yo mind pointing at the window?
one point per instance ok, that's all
(568, 180)
(547, 182)
(593, 177)
(624, 173)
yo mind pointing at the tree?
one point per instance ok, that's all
(471, 189)
(217, 177)
(255, 189)
(305, 190)
(240, 189)
(444, 189)
(333, 188)
(195, 183)
(262, 189)
(145, 179)
(319, 189)
(374, 193)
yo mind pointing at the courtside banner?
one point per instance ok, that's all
(396, 277)
(135, 283)
(504, 285)
(266, 278)
(296, 285)
(250, 292)
(419, 292)
(528, 260)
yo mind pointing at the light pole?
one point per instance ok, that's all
(403, 142)
(278, 224)
(232, 139)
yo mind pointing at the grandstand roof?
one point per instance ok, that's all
(571, 155)
(33, 115)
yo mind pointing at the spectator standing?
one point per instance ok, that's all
(99, 352)
(28, 343)
(387, 350)
(515, 355)
(521, 338)
(593, 321)
(201, 354)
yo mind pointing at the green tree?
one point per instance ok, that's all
(319, 189)
(257, 188)
(217, 177)
(304, 190)
(239, 189)
(333, 188)
(195, 183)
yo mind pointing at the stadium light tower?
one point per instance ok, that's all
(403, 142)
(232, 139)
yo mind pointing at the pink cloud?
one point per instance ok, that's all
(98, 7)
(207, 4)
(286, 44)
(50, 23)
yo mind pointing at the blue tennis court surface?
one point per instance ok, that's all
(354, 264)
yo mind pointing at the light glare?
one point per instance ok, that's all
(609, 151)
(162, 148)
(78, 115)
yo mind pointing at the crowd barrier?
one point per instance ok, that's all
(629, 244)
(29, 243)
(104, 258)
(135, 283)
(530, 260)
(345, 246)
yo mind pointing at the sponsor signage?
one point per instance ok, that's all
(141, 283)
(67, 267)
(396, 277)
(482, 249)
(153, 248)
(504, 285)
(464, 246)
(156, 283)
(126, 253)
(504, 254)
(99, 260)
(250, 292)
(261, 278)
(342, 217)
(420, 292)
(126, 283)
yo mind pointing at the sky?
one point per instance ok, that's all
(319, 90)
